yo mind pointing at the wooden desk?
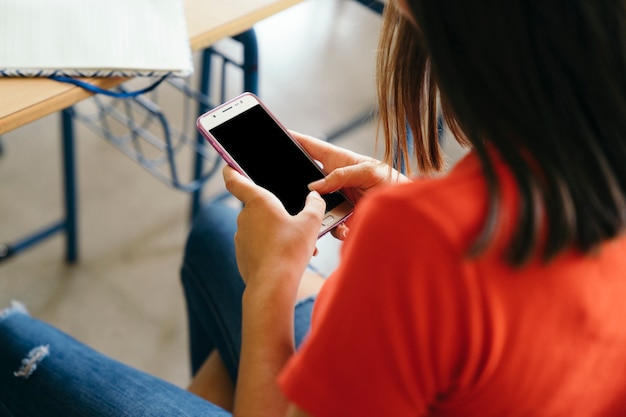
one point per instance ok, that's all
(26, 100)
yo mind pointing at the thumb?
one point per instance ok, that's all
(314, 206)
(239, 185)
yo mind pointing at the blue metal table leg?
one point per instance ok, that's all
(205, 82)
(69, 187)
(8, 250)
(69, 223)
(250, 61)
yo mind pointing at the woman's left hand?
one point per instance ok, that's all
(272, 247)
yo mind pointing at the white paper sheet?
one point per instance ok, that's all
(93, 38)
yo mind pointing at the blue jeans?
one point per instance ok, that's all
(44, 372)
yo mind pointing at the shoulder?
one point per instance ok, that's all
(413, 239)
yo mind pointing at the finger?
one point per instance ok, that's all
(362, 175)
(314, 206)
(323, 151)
(329, 183)
(238, 185)
(310, 143)
(340, 232)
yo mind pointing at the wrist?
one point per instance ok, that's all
(269, 295)
(272, 284)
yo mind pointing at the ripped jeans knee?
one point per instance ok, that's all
(45, 372)
(30, 362)
(35, 355)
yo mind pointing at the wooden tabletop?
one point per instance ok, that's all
(25, 100)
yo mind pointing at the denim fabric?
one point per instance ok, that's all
(74, 380)
(44, 372)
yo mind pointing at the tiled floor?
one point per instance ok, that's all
(124, 297)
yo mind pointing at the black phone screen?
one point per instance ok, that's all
(270, 158)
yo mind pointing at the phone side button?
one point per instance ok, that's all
(327, 220)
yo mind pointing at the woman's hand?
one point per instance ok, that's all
(272, 247)
(348, 171)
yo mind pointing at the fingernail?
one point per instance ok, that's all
(317, 184)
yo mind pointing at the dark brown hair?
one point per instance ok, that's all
(542, 83)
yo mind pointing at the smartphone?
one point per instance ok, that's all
(251, 140)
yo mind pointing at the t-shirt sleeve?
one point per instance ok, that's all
(384, 338)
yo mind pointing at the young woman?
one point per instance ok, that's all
(495, 290)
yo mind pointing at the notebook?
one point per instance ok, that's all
(93, 38)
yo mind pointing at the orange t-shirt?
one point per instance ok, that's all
(409, 326)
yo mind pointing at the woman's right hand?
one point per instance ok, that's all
(348, 171)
